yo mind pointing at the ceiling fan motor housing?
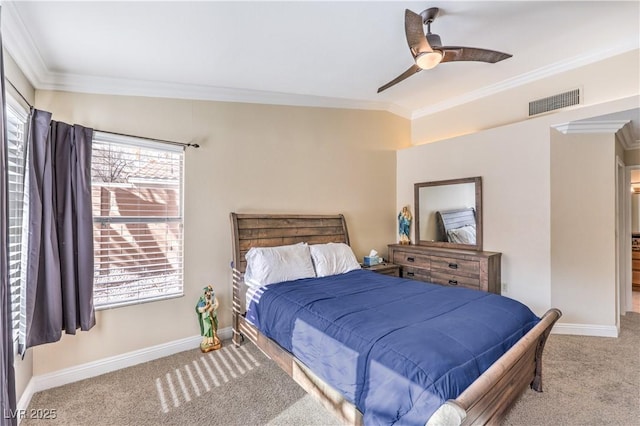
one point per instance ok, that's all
(429, 15)
(434, 40)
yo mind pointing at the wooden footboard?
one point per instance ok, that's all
(488, 399)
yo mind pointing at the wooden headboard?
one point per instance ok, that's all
(452, 219)
(268, 230)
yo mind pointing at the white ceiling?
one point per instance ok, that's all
(305, 52)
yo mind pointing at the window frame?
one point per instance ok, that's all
(22, 114)
(130, 141)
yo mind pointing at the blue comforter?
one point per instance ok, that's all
(396, 348)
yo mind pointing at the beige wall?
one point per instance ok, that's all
(611, 79)
(253, 158)
(583, 263)
(514, 162)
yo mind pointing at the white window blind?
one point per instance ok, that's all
(138, 219)
(16, 144)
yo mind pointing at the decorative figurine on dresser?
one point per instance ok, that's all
(207, 310)
(404, 225)
(446, 213)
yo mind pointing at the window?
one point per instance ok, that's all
(137, 216)
(16, 156)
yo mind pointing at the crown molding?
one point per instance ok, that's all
(595, 126)
(157, 89)
(621, 128)
(627, 138)
(19, 44)
(528, 77)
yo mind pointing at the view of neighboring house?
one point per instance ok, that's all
(137, 245)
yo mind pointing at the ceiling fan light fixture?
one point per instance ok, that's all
(428, 60)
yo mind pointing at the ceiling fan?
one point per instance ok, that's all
(427, 49)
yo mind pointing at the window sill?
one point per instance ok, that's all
(138, 302)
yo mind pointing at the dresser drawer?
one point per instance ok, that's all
(467, 268)
(444, 278)
(416, 274)
(411, 259)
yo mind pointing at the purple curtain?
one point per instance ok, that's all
(7, 373)
(59, 287)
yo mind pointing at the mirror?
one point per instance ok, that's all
(449, 213)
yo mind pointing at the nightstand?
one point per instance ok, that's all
(384, 268)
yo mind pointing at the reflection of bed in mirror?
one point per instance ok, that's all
(449, 213)
(457, 226)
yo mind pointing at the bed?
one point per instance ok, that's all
(484, 401)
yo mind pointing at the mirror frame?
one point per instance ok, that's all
(444, 244)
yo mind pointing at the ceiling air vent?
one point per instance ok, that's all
(554, 102)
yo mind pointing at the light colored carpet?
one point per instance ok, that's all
(226, 387)
(587, 381)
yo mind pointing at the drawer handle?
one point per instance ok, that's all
(411, 259)
(453, 282)
(453, 265)
(411, 274)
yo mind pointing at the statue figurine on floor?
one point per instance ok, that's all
(404, 224)
(207, 310)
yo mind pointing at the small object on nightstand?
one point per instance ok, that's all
(372, 259)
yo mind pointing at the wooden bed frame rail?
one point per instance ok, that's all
(486, 401)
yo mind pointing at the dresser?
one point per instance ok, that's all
(479, 270)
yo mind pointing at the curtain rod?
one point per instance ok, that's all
(195, 145)
(18, 92)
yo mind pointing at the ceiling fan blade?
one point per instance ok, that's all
(413, 29)
(459, 53)
(408, 73)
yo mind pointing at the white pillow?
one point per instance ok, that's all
(463, 235)
(269, 265)
(333, 259)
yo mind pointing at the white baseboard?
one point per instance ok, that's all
(107, 365)
(585, 330)
(25, 399)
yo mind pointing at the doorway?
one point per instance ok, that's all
(633, 292)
